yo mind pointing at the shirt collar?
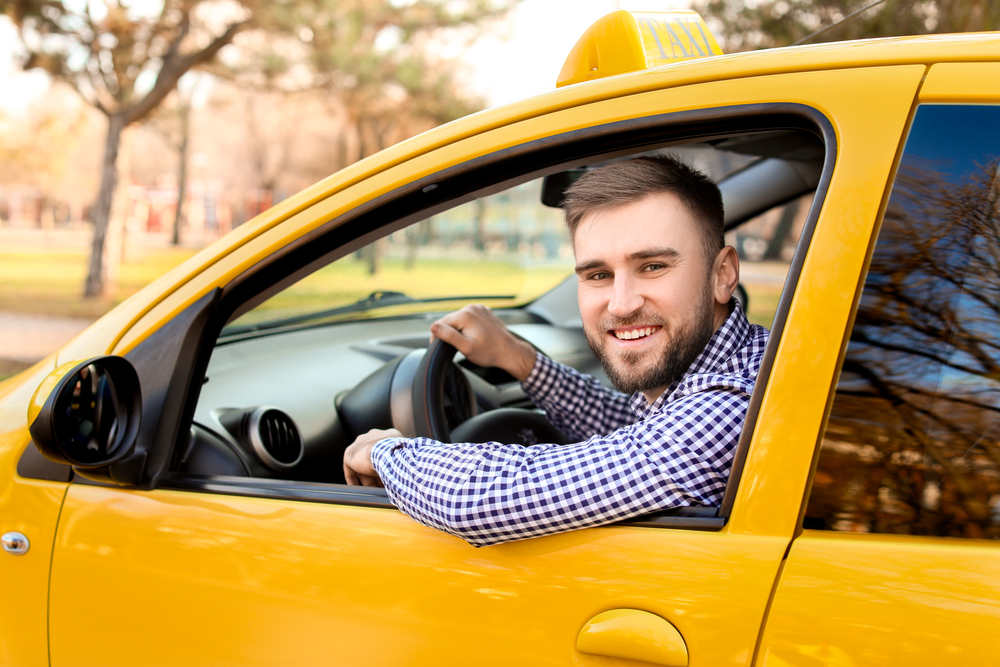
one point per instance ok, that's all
(724, 343)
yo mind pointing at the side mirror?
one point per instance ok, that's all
(87, 413)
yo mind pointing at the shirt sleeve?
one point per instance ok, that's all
(575, 403)
(490, 493)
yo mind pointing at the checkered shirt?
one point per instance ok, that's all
(677, 453)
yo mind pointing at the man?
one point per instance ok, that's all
(655, 291)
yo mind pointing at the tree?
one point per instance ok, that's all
(771, 23)
(378, 61)
(173, 125)
(124, 62)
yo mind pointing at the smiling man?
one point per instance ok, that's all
(655, 290)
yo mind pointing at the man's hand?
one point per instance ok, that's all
(358, 468)
(484, 340)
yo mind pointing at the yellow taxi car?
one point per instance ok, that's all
(183, 501)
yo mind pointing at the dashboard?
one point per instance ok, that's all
(333, 382)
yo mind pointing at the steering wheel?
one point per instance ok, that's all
(441, 390)
(429, 418)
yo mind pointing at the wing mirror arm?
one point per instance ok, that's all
(86, 414)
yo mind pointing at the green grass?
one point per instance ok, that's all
(50, 281)
(347, 281)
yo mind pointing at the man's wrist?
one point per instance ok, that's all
(522, 361)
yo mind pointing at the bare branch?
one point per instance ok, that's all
(175, 67)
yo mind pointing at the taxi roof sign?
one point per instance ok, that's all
(626, 41)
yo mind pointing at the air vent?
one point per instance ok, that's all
(275, 438)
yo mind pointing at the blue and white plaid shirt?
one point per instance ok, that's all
(678, 453)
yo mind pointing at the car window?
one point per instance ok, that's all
(913, 440)
(306, 364)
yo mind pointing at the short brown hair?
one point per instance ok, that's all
(629, 181)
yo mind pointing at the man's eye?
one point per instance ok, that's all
(654, 267)
(600, 275)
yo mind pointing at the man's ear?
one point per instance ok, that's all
(725, 274)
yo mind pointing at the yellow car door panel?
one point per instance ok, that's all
(189, 578)
(900, 557)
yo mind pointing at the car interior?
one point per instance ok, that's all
(331, 339)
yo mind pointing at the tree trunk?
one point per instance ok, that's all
(182, 167)
(98, 283)
(479, 226)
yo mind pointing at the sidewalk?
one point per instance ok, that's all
(26, 339)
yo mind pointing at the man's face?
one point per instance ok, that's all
(646, 292)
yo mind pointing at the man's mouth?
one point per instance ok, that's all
(634, 333)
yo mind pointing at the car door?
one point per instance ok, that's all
(899, 559)
(285, 573)
(31, 496)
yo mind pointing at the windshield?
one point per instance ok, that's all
(504, 250)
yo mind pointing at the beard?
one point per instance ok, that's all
(625, 369)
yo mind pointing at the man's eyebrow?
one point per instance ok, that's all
(646, 253)
(589, 266)
(651, 253)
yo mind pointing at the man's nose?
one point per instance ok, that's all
(625, 298)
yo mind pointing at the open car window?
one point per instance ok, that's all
(310, 364)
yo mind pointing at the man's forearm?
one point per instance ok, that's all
(491, 493)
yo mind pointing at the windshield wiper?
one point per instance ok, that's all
(378, 299)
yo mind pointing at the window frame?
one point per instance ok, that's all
(890, 188)
(464, 182)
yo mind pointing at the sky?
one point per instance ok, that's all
(525, 58)
(521, 60)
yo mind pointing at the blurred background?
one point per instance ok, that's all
(132, 134)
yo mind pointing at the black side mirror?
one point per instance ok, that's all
(87, 414)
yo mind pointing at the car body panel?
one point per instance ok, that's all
(124, 536)
(328, 584)
(31, 507)
(880, 599)
(962, 82)
(854, 599)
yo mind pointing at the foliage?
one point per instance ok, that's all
(125, 58)
(772, 23)
(120, 58)
(381, 61)
(35, 149)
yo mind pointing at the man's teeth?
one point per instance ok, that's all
(635, 333)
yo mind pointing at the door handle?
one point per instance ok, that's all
(635, 635)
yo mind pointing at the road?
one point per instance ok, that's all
(30, 338)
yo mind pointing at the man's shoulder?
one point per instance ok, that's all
(737, 373)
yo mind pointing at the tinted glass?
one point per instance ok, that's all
(913, 441)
